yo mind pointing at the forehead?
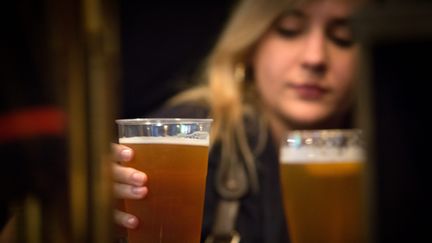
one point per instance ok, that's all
(302, 2)
(315, 8)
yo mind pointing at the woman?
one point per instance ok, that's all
(278, 66)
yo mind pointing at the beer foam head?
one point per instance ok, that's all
(164, 140)
(292, 155)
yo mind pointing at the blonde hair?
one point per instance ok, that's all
(228, 98)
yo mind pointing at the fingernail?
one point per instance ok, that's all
(132, 222)
(138, 178)
(126, 154)
(138, 190)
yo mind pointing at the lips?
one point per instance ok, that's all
(309, 91)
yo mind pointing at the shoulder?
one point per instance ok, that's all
(184, 110)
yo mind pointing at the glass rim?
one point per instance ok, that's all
(155, 121)
(326, 131)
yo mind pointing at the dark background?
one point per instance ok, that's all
(398, 37)
(162, 45)
(402, 139)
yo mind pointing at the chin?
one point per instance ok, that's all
(308, 116)
(307, 124)
(310, 120)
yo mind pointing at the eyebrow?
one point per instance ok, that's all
(293, 12)
(340, 21)
(300, 14)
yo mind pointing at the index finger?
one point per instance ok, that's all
(121, 153)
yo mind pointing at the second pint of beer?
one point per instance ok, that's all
(322, 187)
(176, 167)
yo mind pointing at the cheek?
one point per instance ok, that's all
(345, 61)
(344, 69)
(265, 77)
(268, 81)
(272, 63)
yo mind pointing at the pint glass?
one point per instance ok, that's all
(322, 186)
(174, 155)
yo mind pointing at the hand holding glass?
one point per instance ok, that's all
(174, 154)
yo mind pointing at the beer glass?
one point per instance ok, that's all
(174, 155)
(322, 180)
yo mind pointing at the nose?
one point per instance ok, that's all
(314, 59)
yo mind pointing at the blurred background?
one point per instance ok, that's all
(162, 45)
(69, 68)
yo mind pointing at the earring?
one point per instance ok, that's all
(240, 72)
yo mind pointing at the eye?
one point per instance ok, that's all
(341, 33)
(288, 33)
(290, 25)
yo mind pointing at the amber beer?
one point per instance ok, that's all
(322, 188)
(177, 168)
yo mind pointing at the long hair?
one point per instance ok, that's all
(229, 98)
